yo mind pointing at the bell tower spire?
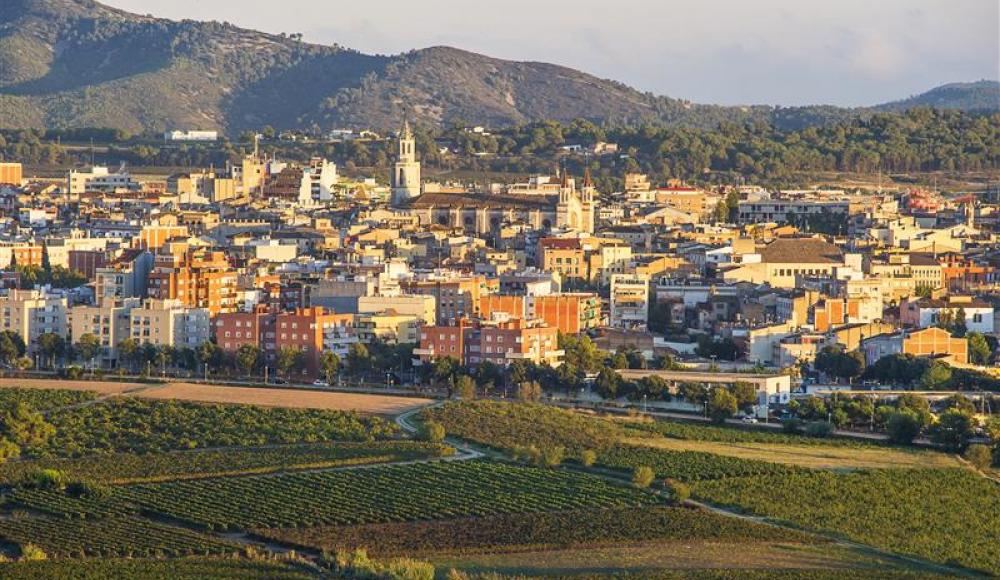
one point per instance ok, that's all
(406, 172)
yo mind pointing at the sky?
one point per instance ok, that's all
(780, 52)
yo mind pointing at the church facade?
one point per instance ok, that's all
(484, 213)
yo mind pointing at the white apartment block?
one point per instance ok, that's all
(31, 313)
(168, 323)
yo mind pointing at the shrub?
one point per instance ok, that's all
(792, 426)
(47, 479)
(643, 476)
(432, 431)
(680, 490)
(31, 552)
(553, 456)
(979, 456)
(820, 429)
(588, 457)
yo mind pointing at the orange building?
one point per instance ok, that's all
(155, 235)
(500, 342)
(11, 173)
(569, 313)
(197, 277)
(958, 273)
(304, 329)
(936, 341)
(27, 255)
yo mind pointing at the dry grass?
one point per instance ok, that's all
(813, 456)
(291, 398)
(673, 555)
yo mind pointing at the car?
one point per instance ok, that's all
(750, 420)
(320, 383)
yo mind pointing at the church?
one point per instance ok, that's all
(485, 213)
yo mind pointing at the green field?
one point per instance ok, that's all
(44, 399)
(123, 468)
(379, 494)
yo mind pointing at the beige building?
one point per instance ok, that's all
(421, 306)
(109, 322)
(388, 326)
(783, 260)
(31, 313)
(169, 323)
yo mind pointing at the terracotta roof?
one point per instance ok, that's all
(801, 251)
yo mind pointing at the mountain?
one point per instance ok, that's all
(977, 96)
(78, 63)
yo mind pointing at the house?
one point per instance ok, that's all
(933, 341)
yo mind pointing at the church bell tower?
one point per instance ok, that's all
(406, 171)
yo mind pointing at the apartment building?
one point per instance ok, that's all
(629, 303)
(31, 313)
(169, 323)
(125, 276)
(570, 313)
(198, 277)
(500, 341)
(456, 296)
(110, 321)
(932, 341)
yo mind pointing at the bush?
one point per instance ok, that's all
(979, 455)
(553, 456)
(47, 479)
(821, 429)
(588, 457)
(681, 491)
(31, 552)
(643, 476)
(432, 431)
(792, 426)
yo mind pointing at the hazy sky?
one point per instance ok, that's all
(788, 52)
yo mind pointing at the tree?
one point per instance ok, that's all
(432, 431)
(329, 362)
(979, 456)
(607, 383)
(529, 391)
(553, 456)
(290, 358)
(917, 404)
(979, 349)
(643, 476)
(936, 376)
(465, 388)
(959, 402)
(722, 405)
(51, 346)
(836, 363)
(359, 359)
(746, 395)
(87, 348)
(248, 358)
(903, 426)
(588, 457)
(12, 346)
(128, 351)
(210, 355)
(694, 393)
(952, 430)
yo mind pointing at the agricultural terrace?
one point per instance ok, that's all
(380, 494)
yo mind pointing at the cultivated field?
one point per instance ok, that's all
(814, 456)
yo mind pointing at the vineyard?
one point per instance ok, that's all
(505, 426)
(44, 399)
(60, 503)
(534, 531)
(140, 426)
(123, 468)
(181, 569)
(686, 466)
(380, 494)
(111, 538)
(735, 434)
(947, 515)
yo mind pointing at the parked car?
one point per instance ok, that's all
(750, 420)
(320, 383)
